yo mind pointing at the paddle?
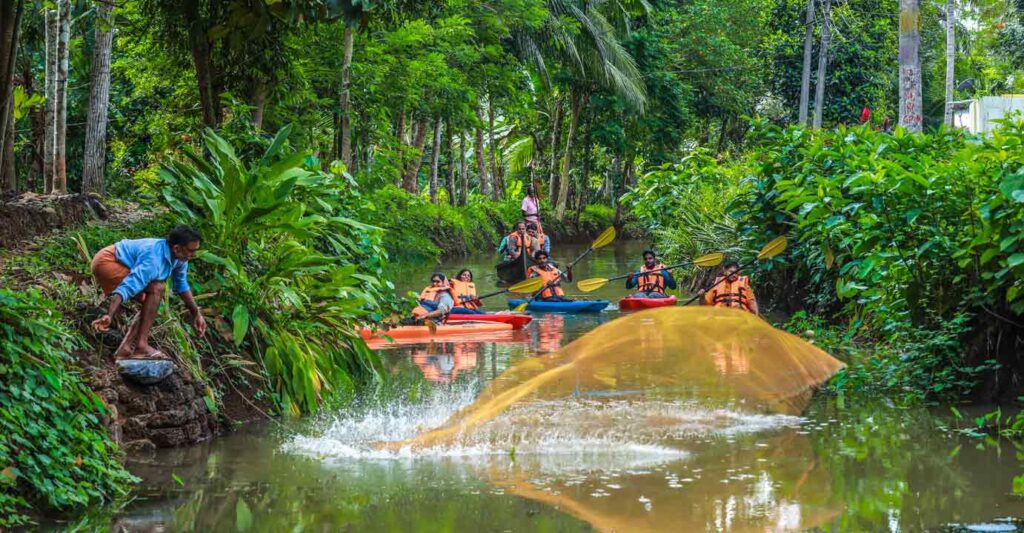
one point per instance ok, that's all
(708, 260)
(529, 285)
(604, 239)
(772, 249)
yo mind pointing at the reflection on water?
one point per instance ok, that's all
(601, 457)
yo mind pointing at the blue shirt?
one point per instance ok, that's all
(150, 260)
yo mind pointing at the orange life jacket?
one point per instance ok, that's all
(464, 294)
(432, 294)
(520, 244)
(736, 294)
(651, 282)
(552, 276)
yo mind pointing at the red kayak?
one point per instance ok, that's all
(518, 320)
(635, 304)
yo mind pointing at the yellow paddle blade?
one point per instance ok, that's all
(521, 307)
(591, 284)
(530, 285)
(605, 238)
(710, 260)
(774, 248)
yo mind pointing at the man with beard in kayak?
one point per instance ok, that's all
(552, 277)
(435, 301)
(464, 291)
(731, 290)
(652, 279)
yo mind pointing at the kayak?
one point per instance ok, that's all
(443, 330)
(579, 306)
(517, 320)
(512, 272)
(630, 303)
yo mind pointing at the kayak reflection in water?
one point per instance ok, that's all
(464, 292)
(435, 301)
(652, 279)
(441, 363)
(552, 277)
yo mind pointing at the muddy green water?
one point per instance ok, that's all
(867, 467)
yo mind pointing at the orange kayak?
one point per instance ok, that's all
(443, 330)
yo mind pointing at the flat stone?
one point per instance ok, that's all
(145, 371)
(139, 446)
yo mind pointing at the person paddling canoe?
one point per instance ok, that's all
(464, 292)
(436, 301)
(652, 279)
(138, 269)
(731, 290)
(552, 278)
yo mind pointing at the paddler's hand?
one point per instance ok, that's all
(102, 323)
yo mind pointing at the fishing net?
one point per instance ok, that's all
(711, 355)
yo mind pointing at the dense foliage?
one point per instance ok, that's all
(53, 449)
(285, 262)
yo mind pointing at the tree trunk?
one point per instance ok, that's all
(400, 151)
(563, 180)
(450, 182)
(950, 60)
(95, 156)
(38, 120)
(805, 79)
(199, 45)
(583, 191)
(463, 170)
(910, 65)
(435, 159)
(11, 12)
(481, 167)
(556, 140)
(722, 134)
(617, 183)
(499, 182)
(8, 172)
(50, 81)
(819, 87)
(60, 119)
(410, 180)
(259, 103)
(345, 104)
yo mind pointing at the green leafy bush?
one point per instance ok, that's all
(54, 452)
(286, 264)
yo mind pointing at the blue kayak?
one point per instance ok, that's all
(581, 306)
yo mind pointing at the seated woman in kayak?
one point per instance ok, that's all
(436, 301)
(552, 278)
(540, 240)
(464, 291)
(652, 279)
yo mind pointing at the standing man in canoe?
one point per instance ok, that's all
(138, 269)
(436, 301)
(732, 290)
(531, 207)
(653, 278)
(552, 278)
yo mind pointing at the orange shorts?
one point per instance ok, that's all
(109, 273)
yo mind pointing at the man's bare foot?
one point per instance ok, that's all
(148, 352)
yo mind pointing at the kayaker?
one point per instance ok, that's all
(531, 207)
(552, 277)
(138, 269)
(464, 291)
(540, 240)
(652, 279)
(519, 241)
(731, 290)
(435, 301)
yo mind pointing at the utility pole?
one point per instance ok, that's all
(910, 65)
(805, 80)
(950, 60)
(819, 88)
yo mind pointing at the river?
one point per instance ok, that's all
(862, 467)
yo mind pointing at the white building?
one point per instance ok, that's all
(980, 115)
